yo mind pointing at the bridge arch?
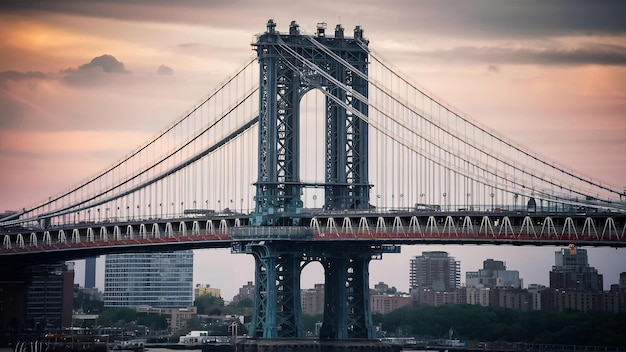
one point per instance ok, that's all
(6, 242)
(47, 239)
(155, 231)
(20, 241)
(104, 234)
(33, 240)
(75, 236)
(90, 235)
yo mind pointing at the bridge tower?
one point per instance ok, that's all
(291, 64)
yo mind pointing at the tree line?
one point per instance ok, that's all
(478, 323)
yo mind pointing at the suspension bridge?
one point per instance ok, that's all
(317, 149)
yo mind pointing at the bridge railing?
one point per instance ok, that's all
(484, 229)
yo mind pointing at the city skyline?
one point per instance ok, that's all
(551, 76)
(313, 275)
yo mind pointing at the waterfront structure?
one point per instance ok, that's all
(435, 270)
(160, 280)
(572, 272)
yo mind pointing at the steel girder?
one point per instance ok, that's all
(285, 77)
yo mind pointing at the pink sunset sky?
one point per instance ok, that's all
(549, 75)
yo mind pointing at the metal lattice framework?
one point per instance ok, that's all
(291, 65)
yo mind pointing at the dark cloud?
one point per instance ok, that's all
(99, 70)
(107, 63)
(165, 70)
(589, 54)
(6, 76)
(485, 18)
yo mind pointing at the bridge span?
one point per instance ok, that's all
(383, 145)
(83, 240)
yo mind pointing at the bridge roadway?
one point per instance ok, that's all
(82, 240)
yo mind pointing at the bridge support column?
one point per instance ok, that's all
(278, 266)
(277, 306)
(347, 311)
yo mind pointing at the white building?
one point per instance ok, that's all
(159, 280)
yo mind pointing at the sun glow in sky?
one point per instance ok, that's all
(550, 75)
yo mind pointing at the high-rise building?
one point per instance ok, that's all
(312, 300)
(50, 296)
(159, 280)
(90, 272)
(435, 270)
(572, 272)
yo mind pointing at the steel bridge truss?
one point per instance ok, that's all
(290, 66)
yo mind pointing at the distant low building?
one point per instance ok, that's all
(386, 303)
(433, 297)
(178, 317)
(206, 290)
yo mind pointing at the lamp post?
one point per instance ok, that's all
(98, 214)
(127, 213)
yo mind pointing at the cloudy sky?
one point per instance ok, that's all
(83, 83)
